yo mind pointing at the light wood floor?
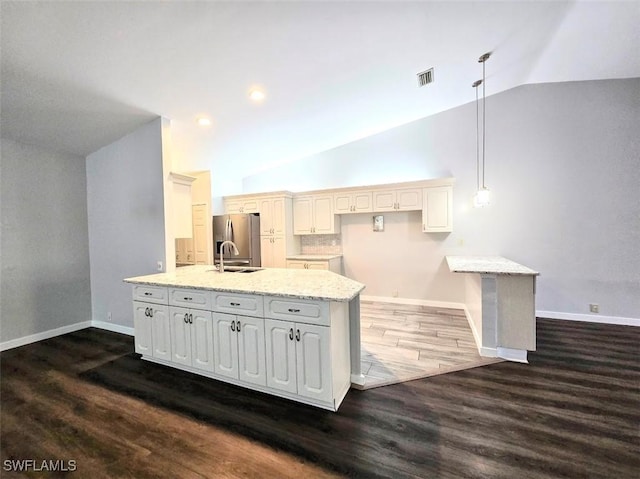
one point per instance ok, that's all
(406, 342)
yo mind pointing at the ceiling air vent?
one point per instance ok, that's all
(425, 77)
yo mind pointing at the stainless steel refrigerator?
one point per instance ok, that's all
(244, 231)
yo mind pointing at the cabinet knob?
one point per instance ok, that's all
(151, 312)
(297, 335)
(186, 318)
(190, 318)
(146, 312)
(291, 334)
(233, 326)
(238, 326)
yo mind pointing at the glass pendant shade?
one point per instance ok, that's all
(482, 197)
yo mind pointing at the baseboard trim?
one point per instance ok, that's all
(52, 333)
(116, 328)
(413, 302)
(515, 355)
(589, 318)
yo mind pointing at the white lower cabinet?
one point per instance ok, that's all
(191, 338)
(291, 347)
(239, 347)
(299, 358)
(151, 324)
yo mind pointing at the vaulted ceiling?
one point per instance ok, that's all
(78, 75)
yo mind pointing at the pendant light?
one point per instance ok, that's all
(483, 196)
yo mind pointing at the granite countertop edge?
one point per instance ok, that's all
(488, 265)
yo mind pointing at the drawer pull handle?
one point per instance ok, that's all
(293, 310)
(233, 325)
(291, 334)
(234, 304)
(151, 312)
(146, 312)
(188, 299)
(186, 318)
(147, 293)
(297, 335)
(238, 326)
(190, 318)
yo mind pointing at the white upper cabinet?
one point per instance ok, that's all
(356, 202)
(437, 209)
(403, 199)
(241, 205)
(314, 214)
(272, 216)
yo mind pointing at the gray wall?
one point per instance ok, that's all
(45, 250)
(563, 165)
(126, 218)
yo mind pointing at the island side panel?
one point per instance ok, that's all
(354, 338)
(489, 312)
(516, 310)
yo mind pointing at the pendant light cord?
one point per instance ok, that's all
(484, 119)
(477, 140)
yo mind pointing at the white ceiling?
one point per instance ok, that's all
(78, 75)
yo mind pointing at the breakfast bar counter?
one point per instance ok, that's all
(500, 304)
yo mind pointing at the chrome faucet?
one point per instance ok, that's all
(235, 252)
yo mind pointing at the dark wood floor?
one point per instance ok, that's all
(574, 412)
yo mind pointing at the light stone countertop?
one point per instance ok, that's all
(314, 257)
(487, 265)
(293, 283)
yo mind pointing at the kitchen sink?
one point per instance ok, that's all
(237, 269)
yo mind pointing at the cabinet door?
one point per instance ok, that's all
(362, 202)
(180, 335)
(190, 256)
(384, 200)
(225, 345)
(324, 221)
(313, 361)
(278, 221)
(232, 207)
(250, 205)
(409, 199)
(251, 350)
(201, 234)
(437, 211)
(142, 328)
(302, 215)
(318, 265)
(342, 203)
(266, 251)
(281, 355)
(279, 252)
(160, 332)
(201, 339)
(266, 216)
(291, 264)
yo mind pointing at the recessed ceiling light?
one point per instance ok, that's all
(202, 121)
(256, 95)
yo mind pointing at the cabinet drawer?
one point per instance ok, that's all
(150, 294)
(303, 311)
(234, 303)
(190, 298)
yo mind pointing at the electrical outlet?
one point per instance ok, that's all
(594, 308)
(159, 265)
(395, 294)
(109, 316)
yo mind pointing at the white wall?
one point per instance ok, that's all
(45, 251)
(562, 162)
(126, 218)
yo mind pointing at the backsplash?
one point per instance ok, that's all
(320, 244)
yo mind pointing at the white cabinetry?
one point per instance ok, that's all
(201, 235)
(307, 347)
(151, 323)
(403, 199)
(314, 214)
(241, 205)
(239, 347)
(273, 251)
(334, 264)
(272, 216)
(437, 209)
(357, 202)
(191, 333)
(299, 358)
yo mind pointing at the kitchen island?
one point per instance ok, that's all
(499, 304)
(291, 333)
